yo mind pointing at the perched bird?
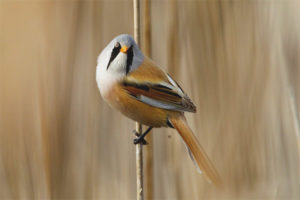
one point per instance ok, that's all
(133, 84)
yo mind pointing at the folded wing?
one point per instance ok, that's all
(163, 93)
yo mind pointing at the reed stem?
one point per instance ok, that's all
(148, 169)
(138, 128)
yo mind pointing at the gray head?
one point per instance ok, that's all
(121, 55)
(118, 58)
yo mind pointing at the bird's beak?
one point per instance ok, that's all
(124, 49)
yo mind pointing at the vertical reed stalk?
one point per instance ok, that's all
(148, 148)
(139, 129)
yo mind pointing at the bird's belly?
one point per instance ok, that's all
(136, 110)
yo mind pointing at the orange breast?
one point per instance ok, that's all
(136, 110)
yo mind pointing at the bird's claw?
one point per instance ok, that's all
(140, 139)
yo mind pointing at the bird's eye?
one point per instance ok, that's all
(114, 53)
(117, 45)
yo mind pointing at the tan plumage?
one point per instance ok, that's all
(136, 86)
(149, 72)
(120, 99)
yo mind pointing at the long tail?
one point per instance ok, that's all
(195, 148)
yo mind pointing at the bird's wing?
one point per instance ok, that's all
(150, 85)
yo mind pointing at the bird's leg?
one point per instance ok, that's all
(140, 139)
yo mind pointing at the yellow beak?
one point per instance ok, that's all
(124, 49)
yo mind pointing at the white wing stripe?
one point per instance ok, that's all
(175, 85)
(160, 104)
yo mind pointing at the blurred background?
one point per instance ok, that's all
(239, 61)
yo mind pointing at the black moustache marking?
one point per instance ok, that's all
(129, 59)
(114, 53)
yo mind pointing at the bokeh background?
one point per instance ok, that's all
(239, 61)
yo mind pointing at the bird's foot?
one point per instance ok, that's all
(140, 139)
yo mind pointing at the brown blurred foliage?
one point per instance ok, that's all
(238, 60)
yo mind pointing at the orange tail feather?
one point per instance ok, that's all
(197, 151)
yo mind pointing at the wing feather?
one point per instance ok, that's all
(151, 85)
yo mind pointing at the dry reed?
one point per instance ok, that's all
(149, 138)
(139, 128)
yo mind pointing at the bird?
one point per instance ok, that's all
(133, 84)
